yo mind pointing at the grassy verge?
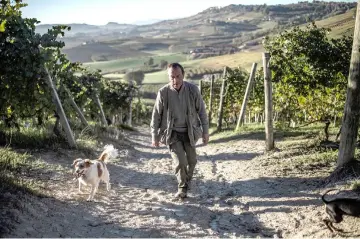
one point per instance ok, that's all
(12, 166)
(298, 151)
(32, 137)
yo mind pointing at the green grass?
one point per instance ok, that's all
(32, 137)
(241, 59)
(342, 24)
(13, 167)
(159, 77)
(148, 101)
(114, 76)
(231, 133)
(297, 151)
(128, 63)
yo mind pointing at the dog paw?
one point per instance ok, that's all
(89, 199)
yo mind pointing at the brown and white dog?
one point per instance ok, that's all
(91, 172)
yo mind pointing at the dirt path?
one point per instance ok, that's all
(233, 194)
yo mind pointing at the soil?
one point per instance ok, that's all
(238, 190)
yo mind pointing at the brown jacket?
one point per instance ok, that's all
(162, 121)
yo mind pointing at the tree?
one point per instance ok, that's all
(137, 76)
(151, 61)
(352, 106)
(163, 64)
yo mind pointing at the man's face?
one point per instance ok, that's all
(175, 77)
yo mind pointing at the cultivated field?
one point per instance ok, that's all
(133, 62)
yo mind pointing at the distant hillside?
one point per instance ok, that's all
(342, 24)
(97, 51)
(212, 32)
(236, 20)
(229, 20)
(86, 29)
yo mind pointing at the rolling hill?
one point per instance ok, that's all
(212, 38)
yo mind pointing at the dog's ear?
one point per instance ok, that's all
(75, 161)
(88, 162)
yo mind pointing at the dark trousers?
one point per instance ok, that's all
(184, 156)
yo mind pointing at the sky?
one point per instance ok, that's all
(100, 12)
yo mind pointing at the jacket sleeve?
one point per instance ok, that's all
(201, 111)
(156, 117)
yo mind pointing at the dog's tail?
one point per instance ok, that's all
(323, 196)
(109, 152)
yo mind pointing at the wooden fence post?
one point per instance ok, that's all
(246, 96)
(60, 111)
(200, 87)
(76, 107)
(268, 103)
(211, 97)
(102, 115)
(222, 97)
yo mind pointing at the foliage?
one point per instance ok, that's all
(137, 76)
(28, 60)
(236, 83)
(117, 95)
(309, 71)
(163, 64)
(22, 63)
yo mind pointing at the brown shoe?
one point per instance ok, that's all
(181, 193)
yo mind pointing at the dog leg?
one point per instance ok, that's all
(336, 229)
(79, 188)
(93, 191)
(327, 223)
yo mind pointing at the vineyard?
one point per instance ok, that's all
(40, 85)
(308, 72)
(53, 110)
(309, 76)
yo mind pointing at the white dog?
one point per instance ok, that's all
(91, 172)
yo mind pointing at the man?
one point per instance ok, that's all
(179, 119)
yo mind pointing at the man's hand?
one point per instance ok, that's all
(205, 139)
(155, 143)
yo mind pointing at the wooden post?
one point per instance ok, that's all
(76, 107)
(130, 113)
(211, 97)
(350, 122)
(102, 115)
(60, 111)
(200, 87)
(268, 103)
(222, 97)
(121, 116)
(137, 112)
(130, 106)
(246, 96)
